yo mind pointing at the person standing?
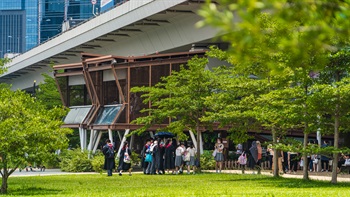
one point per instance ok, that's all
(180, 150)
(169, 161)
(324, 159)
(160, 155)
(270, 157)
(146, 148)
(192, 152)
(151, 167)
(108, 151)
(124, 159)
(293, 161)
(258, 146)
(253, 157)
(219, 156)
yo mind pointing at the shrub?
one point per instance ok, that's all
(75, 161)
(98, 162)
(207, 160)
(135, 159)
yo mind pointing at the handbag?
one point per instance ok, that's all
(126, 158)
(148, 158)
(315, 161)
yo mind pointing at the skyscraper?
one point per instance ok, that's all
(12, 26)
(26, 23)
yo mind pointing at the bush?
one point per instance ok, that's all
(207, 160)
(98, 162)
(75, 161)
(135, 159)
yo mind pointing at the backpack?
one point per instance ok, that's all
(110, 152)
(242, 159)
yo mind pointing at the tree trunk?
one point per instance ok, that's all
(4, 184)
(306, 166)
(275, 158)
(5, 176)
(336, 142)
(199, 136)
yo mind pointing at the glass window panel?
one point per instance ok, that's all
(107, 114)
(76, 115)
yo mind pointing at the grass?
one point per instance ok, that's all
(171, 185)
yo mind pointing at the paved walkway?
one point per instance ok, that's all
(325, 176)
(47, 172)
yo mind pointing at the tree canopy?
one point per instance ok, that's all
(28, 131)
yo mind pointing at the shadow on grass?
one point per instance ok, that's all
(284, 182)
(33, 191)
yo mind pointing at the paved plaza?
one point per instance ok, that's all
(326, 176)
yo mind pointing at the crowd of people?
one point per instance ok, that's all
(164, 156)
(167, 156)
(291, 161)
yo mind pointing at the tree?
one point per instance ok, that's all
(2, 65)
(179, 97)
(297, 34)
(48, 93)
(330, 100)
(28, 131)
(303, 30)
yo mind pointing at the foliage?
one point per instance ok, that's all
(207, 160)
(75, 161)
(171, 185)
(28, 131)
(48, 93)
(265, 29)
(179, 96)
(97, 162)
(135, 158)
(3, 61)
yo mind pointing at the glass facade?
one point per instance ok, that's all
(32, 28)
(26, 23)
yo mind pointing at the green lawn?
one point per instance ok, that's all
(171, 185)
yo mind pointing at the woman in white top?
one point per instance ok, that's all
(180, 150)
(191, 152)
(219, 156)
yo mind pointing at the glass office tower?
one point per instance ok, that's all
(26, 23)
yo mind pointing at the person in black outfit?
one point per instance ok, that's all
(109, 163)
(124, 159)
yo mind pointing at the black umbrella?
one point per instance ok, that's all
(164, 134)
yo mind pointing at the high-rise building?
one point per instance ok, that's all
(26, 23)
(12, 26)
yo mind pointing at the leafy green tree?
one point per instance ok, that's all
(330, 100)
(282, 35)
(179, 97)
(48, 93)
(2, 65)
(28, 131)
(303, 30)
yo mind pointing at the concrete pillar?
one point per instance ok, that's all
(123, 140)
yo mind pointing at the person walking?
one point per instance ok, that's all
(108, 151)
(124, 159)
